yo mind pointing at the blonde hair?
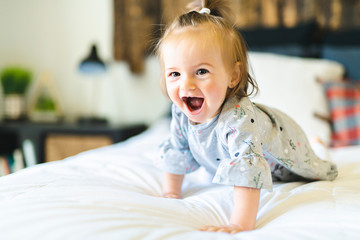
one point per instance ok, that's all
(233, 44)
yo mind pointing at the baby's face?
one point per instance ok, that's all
(196, 77)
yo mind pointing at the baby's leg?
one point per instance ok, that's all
(279, 172)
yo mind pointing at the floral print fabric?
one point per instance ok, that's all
(247, 145)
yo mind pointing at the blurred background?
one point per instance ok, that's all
(51, 38)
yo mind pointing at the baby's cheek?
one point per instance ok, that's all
(217, 93)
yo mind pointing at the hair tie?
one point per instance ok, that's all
(204, 10)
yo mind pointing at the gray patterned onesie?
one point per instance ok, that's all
(247, 145)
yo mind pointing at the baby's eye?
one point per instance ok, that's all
(174, 74)
(202, 71)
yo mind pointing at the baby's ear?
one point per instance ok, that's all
(236, 75)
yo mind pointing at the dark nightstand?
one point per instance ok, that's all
(40, 141)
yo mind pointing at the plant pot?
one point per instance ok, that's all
(44, 116)
(14, 106)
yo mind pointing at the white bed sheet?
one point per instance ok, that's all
(113, 193)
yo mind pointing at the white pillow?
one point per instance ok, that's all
(289, 84)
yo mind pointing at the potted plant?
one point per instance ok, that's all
(14, 82)
(44, 106)
(45, 109)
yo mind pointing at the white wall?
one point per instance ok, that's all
(55, 35)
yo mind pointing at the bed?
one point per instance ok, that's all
(114, 192)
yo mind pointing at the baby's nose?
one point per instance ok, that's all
(188, 83)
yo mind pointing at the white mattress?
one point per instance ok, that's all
(114, 193)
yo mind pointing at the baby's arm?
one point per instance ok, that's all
(243, 218)
(172, 185)
(246, 205)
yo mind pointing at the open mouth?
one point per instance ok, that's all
(193, 103)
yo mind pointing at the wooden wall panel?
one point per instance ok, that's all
(139, 22)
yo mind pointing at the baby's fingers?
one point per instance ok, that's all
(172, 195)
(232, 229)
(210, 228)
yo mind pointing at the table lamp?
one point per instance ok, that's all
(93, 66)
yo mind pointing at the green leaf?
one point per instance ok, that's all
(15, 80)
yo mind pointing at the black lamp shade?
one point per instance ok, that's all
(92, 64)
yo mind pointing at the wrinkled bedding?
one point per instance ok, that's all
(114, 193)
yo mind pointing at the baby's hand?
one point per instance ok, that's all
(172, 195)
(232, 229)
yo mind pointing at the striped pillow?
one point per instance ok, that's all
(344, 105)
